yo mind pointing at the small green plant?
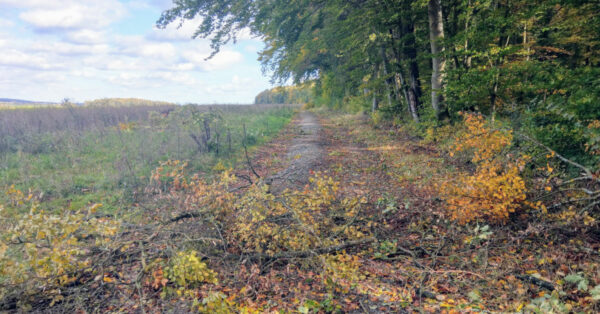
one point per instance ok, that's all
(215, 302)
(582, 285)
(187, 270)
(328, 306)
(479, 235)
(549, 303)
(387, 203)
(552, 303)
(386, 248)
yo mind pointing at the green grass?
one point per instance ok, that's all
(111, 166)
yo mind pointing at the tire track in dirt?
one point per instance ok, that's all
(305, 153)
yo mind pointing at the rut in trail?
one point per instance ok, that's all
(304, 154)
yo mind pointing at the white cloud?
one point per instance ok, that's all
(48, 77)
(236, 84)
(84, 14)
(155, 79)
(113, 63)
(30, 3)
(146, 4)
(15, 58)
(159, 50)
(4, 23)
(176, 31)
(223, 60)
(53, 49)
(245, 34)
(86, 36)
(187, 66)
(66, 49)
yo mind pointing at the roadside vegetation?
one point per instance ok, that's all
(74, 156)
(457, 170)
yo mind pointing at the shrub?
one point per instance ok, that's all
(41, 251)
(495, 189)
(187, 270)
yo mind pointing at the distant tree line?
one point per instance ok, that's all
(286, 95)
(117, 102)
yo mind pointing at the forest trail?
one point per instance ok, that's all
(304, 154)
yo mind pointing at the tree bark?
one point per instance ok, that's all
(412, 100)
(436, 35)
(410, 52)
(399, 82)
(386, 73)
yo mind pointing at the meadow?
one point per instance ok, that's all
(72, 156)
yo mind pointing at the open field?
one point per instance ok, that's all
(76, 156)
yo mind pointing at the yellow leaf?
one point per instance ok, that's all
(95, 207)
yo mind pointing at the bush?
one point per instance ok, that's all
(40, 251)
(187, 270)
(495, 189)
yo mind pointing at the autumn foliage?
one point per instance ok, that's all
(44, 251)
(260, 222)
(495, 189)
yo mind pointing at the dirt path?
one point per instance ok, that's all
(304, 154)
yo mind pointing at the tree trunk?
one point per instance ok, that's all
(386, 75)
(375, 104)
(410, 92)
(409, 52)
(467, 21)
(436, 35)
(399, 83)
(414, 90)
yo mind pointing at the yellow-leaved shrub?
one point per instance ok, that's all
(187, 270)
(44, 251)
(296, 220)
(495, 189)
(261, 222)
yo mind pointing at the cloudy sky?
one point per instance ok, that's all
(89, 49)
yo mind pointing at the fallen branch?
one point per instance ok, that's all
(246, 151)
(588, 173)
(307, 253)
(426, 294)
(179, 217)
(536, 281)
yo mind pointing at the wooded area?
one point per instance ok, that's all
(533, 63)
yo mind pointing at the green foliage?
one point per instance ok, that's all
(530, 62)
(549, 303)
(187, 270)
(327, 306)
(286, 95)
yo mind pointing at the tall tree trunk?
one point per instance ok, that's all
(375, 103)
(410, 51)
(436, 35)
(399, 83)
(386, 72)
(468, 58)
(410, 92)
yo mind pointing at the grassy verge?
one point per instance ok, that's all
(110, 165)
